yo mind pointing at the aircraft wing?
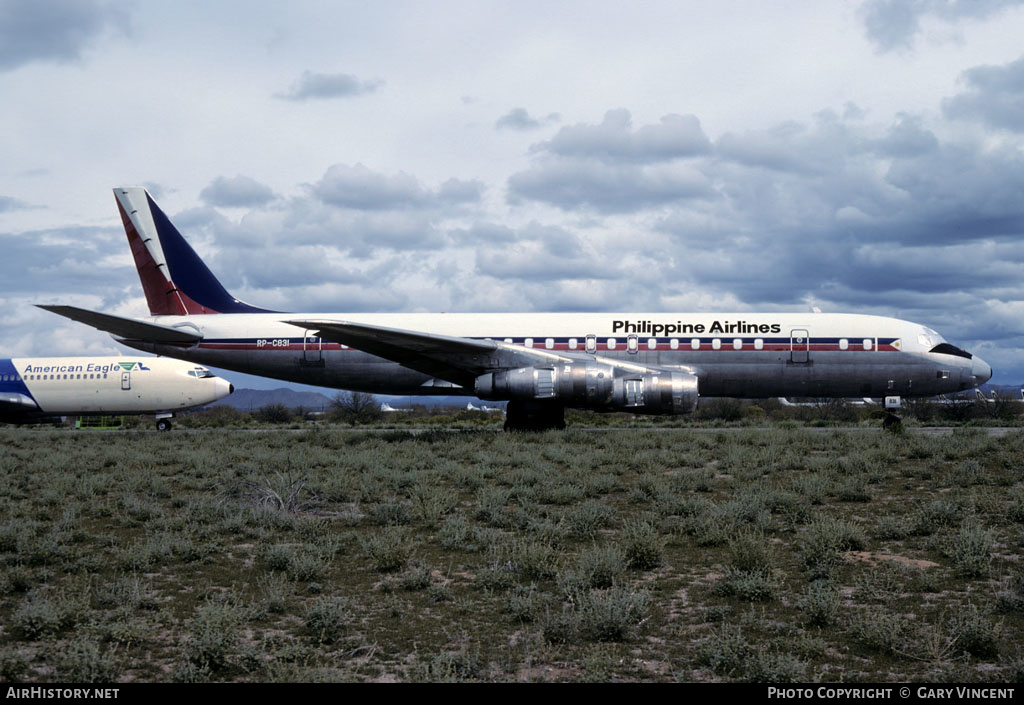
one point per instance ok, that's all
(457, 360)
(125, 327)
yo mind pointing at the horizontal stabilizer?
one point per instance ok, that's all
(128, 328)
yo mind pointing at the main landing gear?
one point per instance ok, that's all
(163, 424)
(523, 415)
(892, 422)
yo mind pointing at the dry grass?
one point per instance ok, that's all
(654, 555)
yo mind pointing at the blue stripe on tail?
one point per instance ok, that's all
(190, 274)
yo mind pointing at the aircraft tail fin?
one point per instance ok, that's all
(174, 278)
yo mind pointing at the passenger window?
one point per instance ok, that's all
(528, 342)
(759, 344)
(737, 344)
(611, 343)
(652, 344)
(549, 343)
(572, 343)
(695, 343)
(844, 344)
(716, 344)
(868, 343)
(674, 344)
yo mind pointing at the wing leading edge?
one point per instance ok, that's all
(127, 328)
(455, 359)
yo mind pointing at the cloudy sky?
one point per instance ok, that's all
(736, 155)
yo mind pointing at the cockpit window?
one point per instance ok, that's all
(947, 349)
(200, 372)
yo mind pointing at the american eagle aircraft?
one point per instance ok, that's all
(42, 389)
(540, 363)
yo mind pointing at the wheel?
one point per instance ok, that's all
(534, 416)
(163, 424)
(892, 423)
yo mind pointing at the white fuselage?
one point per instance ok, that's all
(740, 355)
(56, 386)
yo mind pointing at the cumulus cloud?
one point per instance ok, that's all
(614, 141)
(994, 96)
(892, 25)
(12, 204)
(323, 86)
(608, 189)
(237, 192)
(519, 119)
(612, 168)
(56, 30)
(360, 188)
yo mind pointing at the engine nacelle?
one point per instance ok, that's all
(591, 385)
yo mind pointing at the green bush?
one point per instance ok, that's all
(327, 619)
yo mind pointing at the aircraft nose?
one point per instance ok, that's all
(223, 388)
(981, 371)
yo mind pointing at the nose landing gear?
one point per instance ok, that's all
(892, 422)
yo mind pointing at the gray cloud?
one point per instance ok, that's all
(455, 191)
(236, 192)
(569, 184)
(359, 188)
(614, 141)
(12, 204)
(892, 25)
(55, 30)
(519, 119)
(323, 86)
(994, 96)
(612, 168)
(64, 262)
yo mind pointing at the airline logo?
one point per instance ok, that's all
(679, 327)
(31, 369)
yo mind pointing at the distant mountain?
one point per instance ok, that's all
(250, 399)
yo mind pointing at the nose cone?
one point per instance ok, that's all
(222, 388)
(981, 371)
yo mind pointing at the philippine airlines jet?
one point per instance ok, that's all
(541, 363)
(40, 389)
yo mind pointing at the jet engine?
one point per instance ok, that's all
(592, 385)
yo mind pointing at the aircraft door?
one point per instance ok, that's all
(799, 346)
(126, 380)
(312, 349)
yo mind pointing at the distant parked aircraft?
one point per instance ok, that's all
(388, 409)
(540, 363)
(38, 389)
(853, 402)
(489, 409)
